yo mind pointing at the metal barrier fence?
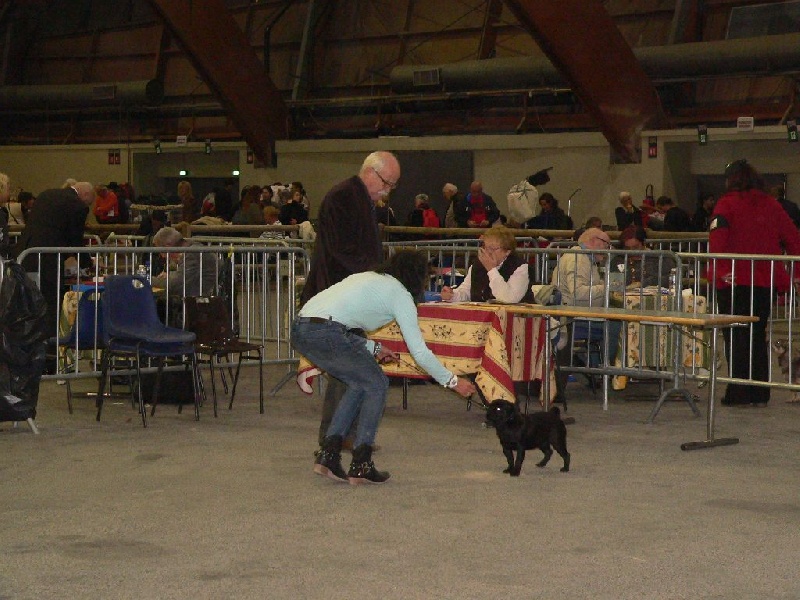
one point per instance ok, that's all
(681, 283)
(783, 275)
(258, 282)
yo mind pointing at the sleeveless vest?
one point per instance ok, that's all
(480, 290)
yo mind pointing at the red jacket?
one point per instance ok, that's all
(751, 222)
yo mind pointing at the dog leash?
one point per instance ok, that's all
(416, 368)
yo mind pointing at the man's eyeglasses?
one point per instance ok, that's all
(606, 243)
(390, 184)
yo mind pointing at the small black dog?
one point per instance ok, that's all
(518, 432)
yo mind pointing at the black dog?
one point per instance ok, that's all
(518, 432)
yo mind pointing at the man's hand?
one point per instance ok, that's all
(387, 356)
(484, 223)
(447, 293)
(464, 387)
(471, 223)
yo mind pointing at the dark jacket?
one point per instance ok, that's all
(463, 210)
(555, 219)
(57, 220)
(347, 237)
(677, 219)
(293, 210)
(5, 240)
(625, 218)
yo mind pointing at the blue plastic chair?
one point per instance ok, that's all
(86, 332)
(131, 328)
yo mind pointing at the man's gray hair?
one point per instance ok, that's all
(85, 191)
(376, 161)
(450, 187)
(167, 236)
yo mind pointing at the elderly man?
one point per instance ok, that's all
(581, 284)
(58, 221)
(450, 193)
(195, 274)
(478, 209)
(348, 242)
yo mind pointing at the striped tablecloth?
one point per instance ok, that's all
(469, 338)
(474, 338)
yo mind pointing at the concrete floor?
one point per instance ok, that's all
(229, 507)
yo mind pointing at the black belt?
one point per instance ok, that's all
(317, 320)
(323, 321)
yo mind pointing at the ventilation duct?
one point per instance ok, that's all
(766, 55)
(128, 93)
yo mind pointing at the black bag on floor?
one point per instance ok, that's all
(175, 388)
(22, 345)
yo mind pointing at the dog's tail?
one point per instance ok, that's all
(554, 410)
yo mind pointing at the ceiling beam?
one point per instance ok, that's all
(223, 57)
(583, 43)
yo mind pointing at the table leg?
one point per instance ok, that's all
(547, 351)
(712, 389)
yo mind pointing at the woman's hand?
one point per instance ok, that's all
(464, 387)
(447, 294)
(487, 259)
(387, 356)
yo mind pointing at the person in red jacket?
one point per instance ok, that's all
(746, 220)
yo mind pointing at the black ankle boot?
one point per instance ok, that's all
(329, 460)
(362, 469)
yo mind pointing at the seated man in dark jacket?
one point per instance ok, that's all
(477, 209)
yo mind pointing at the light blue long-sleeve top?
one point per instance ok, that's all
(369, 301)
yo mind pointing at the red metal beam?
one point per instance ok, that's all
(582, 41)
(229, 66)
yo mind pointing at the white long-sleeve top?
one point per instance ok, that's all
(510, 291)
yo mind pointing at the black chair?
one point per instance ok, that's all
(209, 319)
(131, 328)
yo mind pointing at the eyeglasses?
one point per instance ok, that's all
(390, 184)
(483, 245)
(606, 243)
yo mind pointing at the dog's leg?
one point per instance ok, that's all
(562, 450)
(510, 458)
(548, 452)
(518, 463)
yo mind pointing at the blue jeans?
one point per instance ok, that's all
(331, 347)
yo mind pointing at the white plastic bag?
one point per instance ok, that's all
(523, 201)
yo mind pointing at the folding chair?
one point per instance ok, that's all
(131, 327)
(86, 334)
(208, 318)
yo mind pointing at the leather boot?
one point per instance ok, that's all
(362, 469)
(329, 460)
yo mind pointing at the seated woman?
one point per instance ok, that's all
(641, 270)
(499, 273)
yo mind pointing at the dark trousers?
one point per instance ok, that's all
(743, 361)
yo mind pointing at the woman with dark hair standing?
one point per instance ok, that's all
(746, 220)
(323, 333)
